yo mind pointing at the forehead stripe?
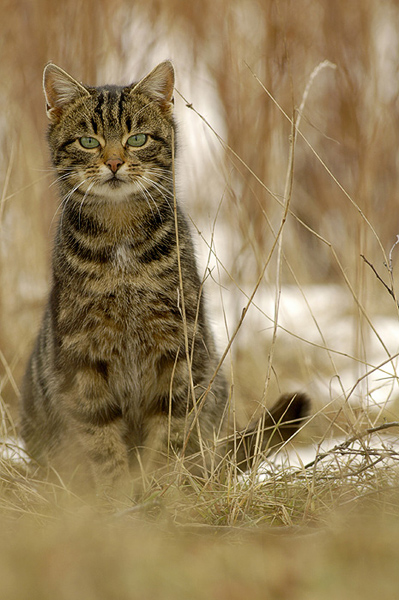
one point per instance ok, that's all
(99, 108)
(100, 102)
(120, 106)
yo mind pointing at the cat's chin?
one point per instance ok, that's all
(116, 192)
(114, 183)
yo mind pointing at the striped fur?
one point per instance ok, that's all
(119, 370)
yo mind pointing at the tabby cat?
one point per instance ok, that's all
(119, 379)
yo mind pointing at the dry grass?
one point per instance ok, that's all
(268, 215)
(73, 559)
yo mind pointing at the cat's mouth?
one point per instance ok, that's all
(114, 181)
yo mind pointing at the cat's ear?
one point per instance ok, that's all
(59, 90)
(159, 85)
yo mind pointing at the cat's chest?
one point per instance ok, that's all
(118, 295)
(121, 258)
(121, 298)
(128, 325)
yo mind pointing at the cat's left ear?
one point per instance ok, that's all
(159, 85)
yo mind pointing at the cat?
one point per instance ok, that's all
(123, 376)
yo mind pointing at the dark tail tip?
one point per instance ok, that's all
(278, 425)
(290, 409)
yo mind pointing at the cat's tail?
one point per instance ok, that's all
(276, 426)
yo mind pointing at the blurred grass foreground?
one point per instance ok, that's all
(306, 217)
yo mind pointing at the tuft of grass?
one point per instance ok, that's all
(326, 529)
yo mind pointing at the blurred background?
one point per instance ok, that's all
(244, 66)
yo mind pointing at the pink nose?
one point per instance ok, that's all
(114, 164)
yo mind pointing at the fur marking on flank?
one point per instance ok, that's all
(118, 372)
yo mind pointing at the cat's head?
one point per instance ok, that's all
(111, 141)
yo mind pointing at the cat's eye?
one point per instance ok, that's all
(137, 140)
(89, 142)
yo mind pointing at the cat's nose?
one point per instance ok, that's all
(114, 164)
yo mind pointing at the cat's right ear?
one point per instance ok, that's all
(59, 90)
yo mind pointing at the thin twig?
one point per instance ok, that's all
(372, 267)
(390, 254)
(354, 438)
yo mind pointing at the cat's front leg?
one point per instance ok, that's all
(106, 456)
(93, 449)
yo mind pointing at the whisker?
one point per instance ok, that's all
(63, 177)
(160, 188)
(163, 174)
(66, 199)
(84, 198)
(148, 197)
(158, 169)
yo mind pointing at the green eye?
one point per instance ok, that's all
(137, 140)
(89, 142)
